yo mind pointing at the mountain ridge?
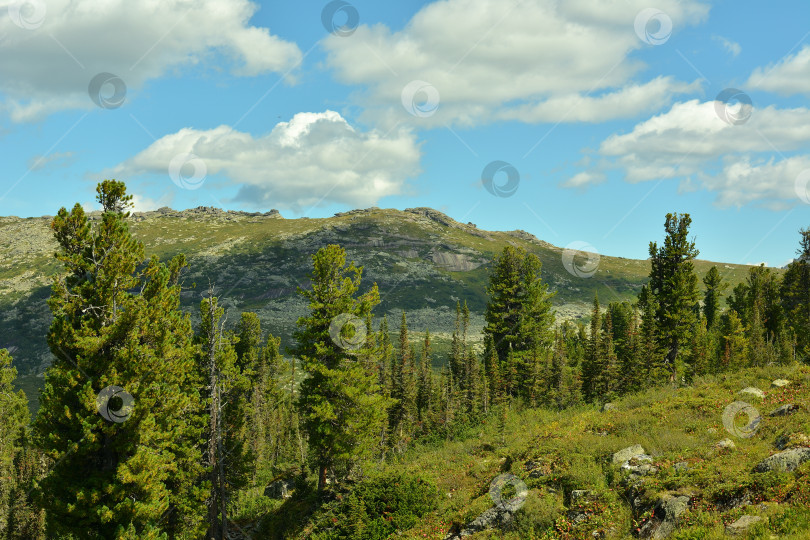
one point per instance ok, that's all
(423, 261)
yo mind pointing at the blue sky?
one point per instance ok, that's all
(606, 114)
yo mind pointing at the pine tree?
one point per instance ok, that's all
(474, 392)
(651, 356)
(591, 365)
(456, 361)
(425, 386)
(26, 519)
(700, 353)
(795, 295)
(116, 469)
(518, 315)
(492, 370)
(673, 283)
(403, 390)
(630, 361)
(733, 343)
(609, 377)
(341, 406)
(14, 418)
(711, 298)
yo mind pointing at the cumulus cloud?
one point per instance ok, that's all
(791, 75)
(48, 67)
(692, 144)
(538, 61)
(314, 159)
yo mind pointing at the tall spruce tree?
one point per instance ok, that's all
(651, 353)
(118, 471)
(673, 283)
(591, 364)
(342, 409)
(519, 316)
(425, 387)
(402, 414)
(715, 286)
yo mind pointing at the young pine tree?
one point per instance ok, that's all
(341, 407)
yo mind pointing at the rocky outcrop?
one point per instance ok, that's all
(785, 461)
(280, 489)
(780, 383)
(454, 262)
(494, 517)
(666, 516)
(792, 440)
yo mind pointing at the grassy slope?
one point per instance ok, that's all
(575, 447)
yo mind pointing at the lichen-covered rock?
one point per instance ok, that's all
(665, 518)
(792, 440)
(624, 455)
(742, 525)
(681, 466)
(753, 391)
(610, 407)
(784, 410)
(725, 444)
(784, 461)
(779, 383)
(489, 519)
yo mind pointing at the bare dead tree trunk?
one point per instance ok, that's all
(222, 488)
(214, 529)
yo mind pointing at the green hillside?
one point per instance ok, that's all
(422, 260)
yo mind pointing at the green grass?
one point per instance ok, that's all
(575, 448)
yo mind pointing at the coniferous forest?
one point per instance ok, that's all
(150, 426)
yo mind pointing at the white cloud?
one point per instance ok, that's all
(49, 68)
(584, 178)
(316, 158)
(731, 46)
(142, 203)
(538, 61)
(51, 161)
(791, 75)
(692, 144)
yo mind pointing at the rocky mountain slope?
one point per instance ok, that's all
(422, 260)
